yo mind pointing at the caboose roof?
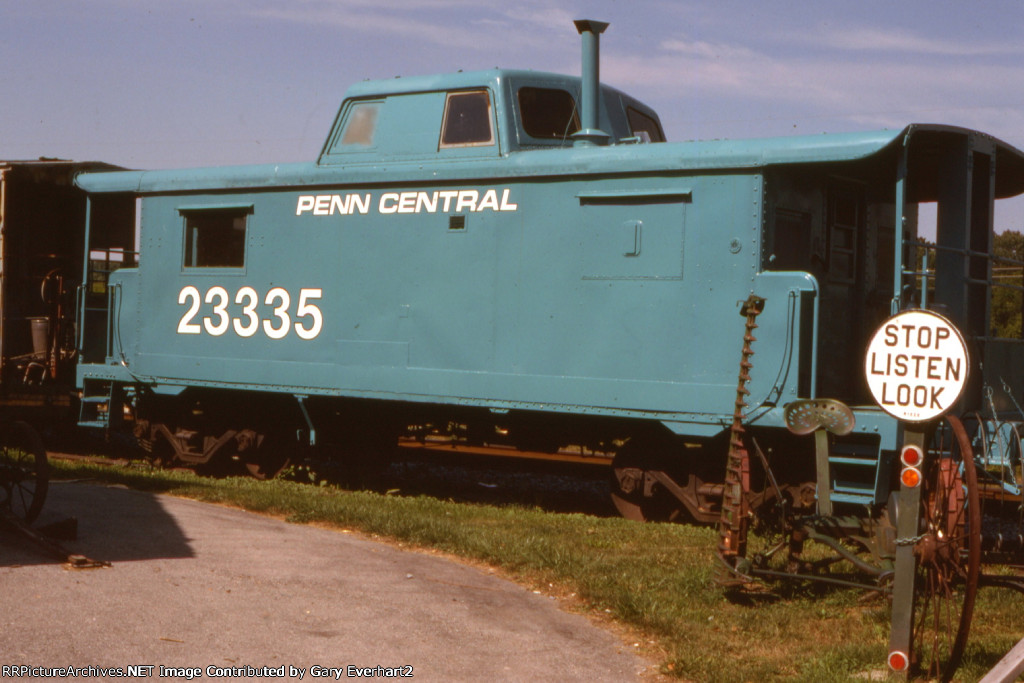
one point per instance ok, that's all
(718, 155)
(453, 81)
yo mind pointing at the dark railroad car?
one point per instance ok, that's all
(42, 231)
(42, 224)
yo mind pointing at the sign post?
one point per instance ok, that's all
(916, 368)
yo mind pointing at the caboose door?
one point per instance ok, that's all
(842, 288)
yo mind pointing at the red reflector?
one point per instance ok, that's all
(911, 477)
(912, 456)
(898, 661)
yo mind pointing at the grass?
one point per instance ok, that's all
(655, 579)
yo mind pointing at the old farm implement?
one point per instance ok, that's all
(24, 472)
(953, 506)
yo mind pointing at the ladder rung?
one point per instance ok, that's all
(863, 450)
(853, 498)
(852, 487)
(853, 461)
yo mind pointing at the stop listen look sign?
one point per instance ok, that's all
(917, 365)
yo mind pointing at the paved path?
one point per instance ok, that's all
(199, 585)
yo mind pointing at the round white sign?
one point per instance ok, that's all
(916, 365)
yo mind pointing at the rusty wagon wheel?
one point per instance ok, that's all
(24, 471)
(948, 552)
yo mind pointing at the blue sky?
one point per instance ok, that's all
(177, 83)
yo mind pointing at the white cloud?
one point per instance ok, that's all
(706, 50)
(482, 26)
(906, 42)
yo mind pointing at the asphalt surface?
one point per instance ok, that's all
(237, 596)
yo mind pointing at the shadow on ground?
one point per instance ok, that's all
(114, 524)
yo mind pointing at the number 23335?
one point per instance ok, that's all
(242, 313)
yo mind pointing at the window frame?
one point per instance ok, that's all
(364, 113)
(453, 95)
(346, 119)
(235, 247)
(566, 136)
(633, 113)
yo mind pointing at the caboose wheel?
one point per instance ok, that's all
(270, 457)
(633, 494)
(267, 466)
(948, 552)
(24, 471)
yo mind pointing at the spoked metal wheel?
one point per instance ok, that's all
(24, 471)
(948, 552)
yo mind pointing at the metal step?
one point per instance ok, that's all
(94, 406)
(854, 472)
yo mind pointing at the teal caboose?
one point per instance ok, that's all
(514, 259)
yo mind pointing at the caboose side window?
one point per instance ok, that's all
(215, 238)
(642, 125)
(467, 120)
(361, 124)
(548, 113)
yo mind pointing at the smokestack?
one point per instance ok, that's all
(590, 134)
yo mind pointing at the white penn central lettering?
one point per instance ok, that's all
(331, 204)
(445, 201)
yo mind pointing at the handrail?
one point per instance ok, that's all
(113, 291)
(80, 311)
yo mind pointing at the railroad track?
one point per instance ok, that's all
(558, 482)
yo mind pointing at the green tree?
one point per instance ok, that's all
(1007, 269)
